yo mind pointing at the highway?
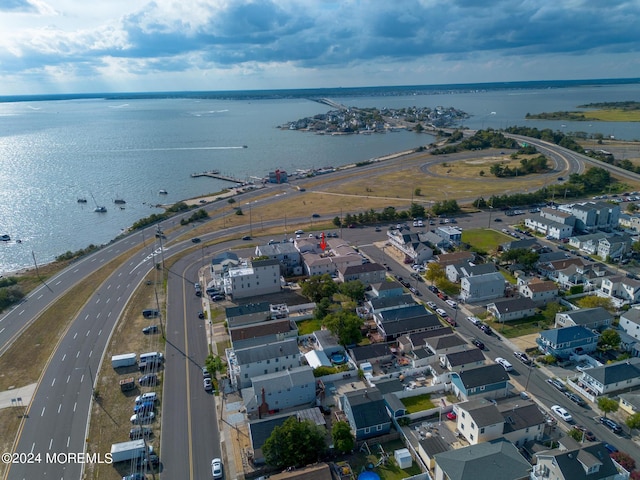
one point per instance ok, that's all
(59, 412)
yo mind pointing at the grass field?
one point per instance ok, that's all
(418, 403)
(518, 328)
(485, 239)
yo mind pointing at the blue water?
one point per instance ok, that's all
(130, 146)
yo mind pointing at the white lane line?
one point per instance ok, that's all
(42, 413)
(68, 441)
(100, 332)
(2, 330)
(58, 282)
(82, 378)
(76, 334)
(108, 299)
(53, 383)
(68, 378)
(88, 332)
(74, 406)
(59, 408)
(64, 356)
(109, 314)
(86, 317)
(21, 312)
(98, 316)
(50, 443)
(76, 270)
(78, 354)
(90, 353)
(40, 297)
(98, 300)
(33, 447)
(109, 287)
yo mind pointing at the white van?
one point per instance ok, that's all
(451, 303)
(505, 364)
(151, 357)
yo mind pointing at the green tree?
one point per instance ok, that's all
(214, 364)
(294, 444)
(343, 440)
(592, 301)
(417, 192)
(318, 287)
(336, 221)
(607, 405)
(323, 308)
(575, 434)
(434, 272)
(549, 312)
(609, 340)
(633, 421)
(239, 211)
(353, 289)
(416, 211)
(344, 325)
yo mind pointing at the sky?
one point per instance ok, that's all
(88, 46)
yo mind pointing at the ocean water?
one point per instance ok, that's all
(54, 151)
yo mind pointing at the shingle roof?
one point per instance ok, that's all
(465, 357)
(402, 312)
(514, 305)
(247, 309)
(404, 325)
(394, 301)
(556, 336)
(483, 412)
(571, 462)
(418, 339)
(486, 375)
(268, 351)
(259, 329)
(366, 352)
(364, 268)
(500, 457)
(587, 316)
(519, 414)
(367, 407)
(616, 372)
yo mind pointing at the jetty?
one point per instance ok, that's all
(217, 175)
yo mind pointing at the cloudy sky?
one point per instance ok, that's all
(74, 46)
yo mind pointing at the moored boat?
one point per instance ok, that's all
(5, 238)
(163, 192)
(82, 200)
(119, 201)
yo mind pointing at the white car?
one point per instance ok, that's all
(504, 363)
(562, 413)
(451, 303)
(441, 312)
(143, 417)
(474, 320)
(216, 468)
(432, 305)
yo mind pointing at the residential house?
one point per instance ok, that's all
(481, 461)
(552, 269)
(592, 216)
(366, 412)
(443, 344)
(387, 288)
(453, 235)
(268, 331)
(630, 322)
(456, 271)
(415, 248)
(429, 447)
(419, 340)
(588, 274)
(512, 309)
(462, 360)
(479, 420)
(373, 353)
(592, 318)
(248, 314)
(630, 402)
(484, 287)
(549, 228)
(253, 278)
(367, 273)
(280, 390)
(631, 222)
(287, 255)
(613, 377)
(576, 461)
(260, 431)
(445, 259)
(405, 320)
(220, 264)
(614, 247)
(524, 243)
(319, 471)
(327, 342)
(540, 292)
(621, 289)
(557, 215)
(523, 421)
(382, 304)
(247, 363)
(490, 381)
(563, 342)
(587, 243)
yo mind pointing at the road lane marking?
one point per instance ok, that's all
(100, 332)
(59, 408)
(21, 312)
(68, 378)
(63, 357)
(78, 354)
(76, 334)
(58, 282)
(50, 443)
(39, 297)
(74, 407)
(42, 413)
(98, 316)
(90, 353)
(53, 383)
(88, 332)
(108, 299)
(82, 378)
(33, 447)
(68, 441)
(76, 270)
(86, 317)
(2, 330)
(109, 287)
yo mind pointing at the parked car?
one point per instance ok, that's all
(474, 320)
(610, 448)
(432, 305)
(246, 237)
(144, 407)
(205, 373)
(147, 397)
(478, 343)
(208, 385)
(216, 468)
(557, 384)
(149, 462)
(586, 434)
(522, 357)
(451, 303)
(452, 415)
(441, 312)
(134, 476)
(200, 314)
(562, 413)
(148, 380)
(450, 321)
(150, 329)
(217, 298)
(433, 288)
(136, 433)
(577, 399)
(150, 313)
(144, 417)
(196, 240)
(486, 328)
(611, 425)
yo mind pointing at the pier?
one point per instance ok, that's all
(331, 103)
(217, 175)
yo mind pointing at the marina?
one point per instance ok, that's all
(218, 176)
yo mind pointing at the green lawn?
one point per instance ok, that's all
(389, 471)
(517, 328)
(418, 403)
(484, 239)
(306, 327)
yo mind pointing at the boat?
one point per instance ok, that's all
(82, 200)
(119, 201)
(99, 208)
(5, 238)
(163, 192)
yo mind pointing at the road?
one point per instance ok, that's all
(59, 412)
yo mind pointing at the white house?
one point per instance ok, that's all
(253, 278)
(630, 322)
(248, 363)
(280, 390)
(479, 288)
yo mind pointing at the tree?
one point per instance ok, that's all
(434, 272)
(592, 301)
(343, 440)
(336, 221)
(417, 192)
(318, 287)
(609, 340)
(353, 289)
(633, 421)
(344, 325)
(624, 459)
(416, 211)
(575, 434)
(294, 444)
(607, 405)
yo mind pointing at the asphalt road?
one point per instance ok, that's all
(58, 415)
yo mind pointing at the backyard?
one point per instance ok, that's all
(418, 403)
(486, 240)
(389, 470)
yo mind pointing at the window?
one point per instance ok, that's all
(379, 427)
(246, 375)
(482, 430)
(367, 430)
(265, 371)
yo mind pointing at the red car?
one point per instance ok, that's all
(450, 321)
(452, 415)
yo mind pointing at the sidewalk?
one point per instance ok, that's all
(17, 397)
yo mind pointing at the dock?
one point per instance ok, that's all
(217, 175)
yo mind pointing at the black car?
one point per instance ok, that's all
(148, 380)
(486, 329)
(611, 425)
(201, 314)
(522, 357)
(247, 237)
(478, 343)
(217, 297)
(433, 288)
(196, 240)
(150, 462)
(316, 215)
(576, 399)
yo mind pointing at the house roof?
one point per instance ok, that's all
(364, 268)
(320, 471)
(632, 315)
(485, 375)
(418, 339)
(268, 351)
(500, 457)
(572, 462)
(483, 268)
(465, 357)
(615, 372)
(446, 341)
(260, 329)
(266, 262)
(520, 414)
(277, 249)
(492, 277)
(283, 379)
(455, 257)
(260, 430)
(389, 385)
(632, 399)
(433, 445)
(375, 350)
(404, 325)
(367, 407)
(248, 309)
(386, 285)
(542, 286)
(483, 412)
(556, 336)
(402, 312)
(587, 316)
(395, 301)
(514, 305)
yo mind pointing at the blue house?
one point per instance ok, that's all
(562, 342)
(366, 413)
(489, 381)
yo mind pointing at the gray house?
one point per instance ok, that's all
(593, 318)
(512, 309)
(490, 381)
(614, 377)
(280, 390)
(562, 342)
(483, 287)
(366, 413)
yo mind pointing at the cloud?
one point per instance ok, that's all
(195, 35)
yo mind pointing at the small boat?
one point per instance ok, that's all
(82, 200)
(119, 201)
(99, 208)
(5, 238)
(163, 192)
